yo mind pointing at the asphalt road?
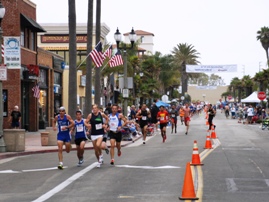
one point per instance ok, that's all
(235, 170)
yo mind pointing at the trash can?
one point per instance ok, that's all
(52, 136)
(14, 140)
(44, 138)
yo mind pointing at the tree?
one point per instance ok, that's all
(263, 37)
(97, 86)
(88, 92)
(247, 85)
(72, 90)
(184, 54)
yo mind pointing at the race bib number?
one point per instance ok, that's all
(144, 118)
(62, 128)
(79, 128)
(162, 118)
(98, 126)
(173, 115)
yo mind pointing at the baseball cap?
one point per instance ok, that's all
(61, 108)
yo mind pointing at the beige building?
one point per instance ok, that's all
(208, 94)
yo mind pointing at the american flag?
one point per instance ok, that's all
(116, 60)
(97, 55)
(36, 91)
(108, 52)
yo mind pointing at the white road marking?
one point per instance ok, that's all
(42, 169)
(147, 167)
(9, 171)
(65, 183)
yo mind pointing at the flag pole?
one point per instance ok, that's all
(83, 61)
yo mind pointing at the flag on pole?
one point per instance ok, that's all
(97, 55)
(116, 60)
(36, 91)
(108, 52)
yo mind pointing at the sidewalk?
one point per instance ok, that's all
(33, 146)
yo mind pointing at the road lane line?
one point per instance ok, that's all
(64, 184)
(9, 171)
(147, 167)
(41, 169)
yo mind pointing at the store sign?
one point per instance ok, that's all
(3, 72)
(12, 52)
(62, 38)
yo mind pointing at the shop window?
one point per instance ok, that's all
(5, 98)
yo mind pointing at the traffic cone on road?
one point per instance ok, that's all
(195, 156)
(208, 143)
(213, 133)
(188, 192)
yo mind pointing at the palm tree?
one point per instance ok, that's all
(247, 85)
(97, 85)
(88, 91)
(184, 54)
(263, 37)
(236, 85)
(72, 90)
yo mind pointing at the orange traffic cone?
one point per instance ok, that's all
(188, 192)
(195, 156)
(208, 143)
(213, 133)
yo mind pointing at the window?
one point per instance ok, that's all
(57, 78)
(22, 38)
(32, 40)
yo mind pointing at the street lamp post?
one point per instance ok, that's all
(2, 142)
(132, 37)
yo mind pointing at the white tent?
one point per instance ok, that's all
(252, 98)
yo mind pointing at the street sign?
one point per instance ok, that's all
(261, 95)
(125, 93)
(229, 97)
(3, 72)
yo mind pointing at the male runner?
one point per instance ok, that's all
(64, 122)
(97, 131)
(211, 113)
(173, 116)
(162, 116)
(115, 126)
(143, 116)
(80, 136)
(187, 117)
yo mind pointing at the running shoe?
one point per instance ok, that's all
(119, 153)
(144, 142)
(107, 151)
(101, 160)
(60, 167)
(163, 138)
(112, 162)
(80, 162)
(186, 133)
(98, 165)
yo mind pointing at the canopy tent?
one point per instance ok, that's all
(253, 98)
(161, 103)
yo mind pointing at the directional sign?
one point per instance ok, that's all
(261, 95)
(3, 72)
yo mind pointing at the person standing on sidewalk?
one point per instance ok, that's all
(187, 118)
(97, 131)
(115, 125)
(64, 122)
(173, 116)
(15, 118)
(162, 116)
(80, 136)
(143, 116)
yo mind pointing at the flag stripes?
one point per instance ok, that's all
(116, 60)
(36, 91)
(97, 55)
(108, 52)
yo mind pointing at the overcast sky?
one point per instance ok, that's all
(222, 31)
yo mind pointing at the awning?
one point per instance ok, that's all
(29, 22)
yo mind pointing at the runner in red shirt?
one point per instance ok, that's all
(163, 118)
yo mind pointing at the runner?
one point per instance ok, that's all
(115, 125)
(64, 122)
(143, 116)
(97, 131)
(181, 114)
(80, 136)
(173, 116)
(162, 116)
(226, 110)
(211, 114)
(187, 117)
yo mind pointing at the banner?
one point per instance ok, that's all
(211, 68)
(12, 55)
